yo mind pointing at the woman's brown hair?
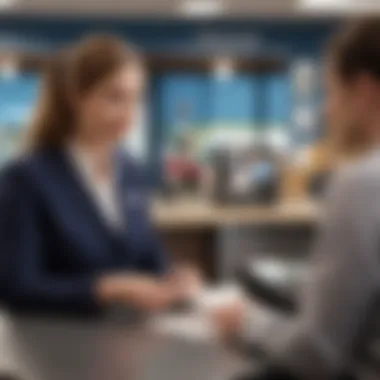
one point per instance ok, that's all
(74, 71)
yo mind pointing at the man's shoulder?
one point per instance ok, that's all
(360, 176)
(365, 168)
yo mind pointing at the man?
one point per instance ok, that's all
(345, 280)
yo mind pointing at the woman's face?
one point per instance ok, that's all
(110, 110)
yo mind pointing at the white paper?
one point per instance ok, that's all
(197, 324)
(190, 326)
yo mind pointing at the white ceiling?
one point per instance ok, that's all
(148, 8)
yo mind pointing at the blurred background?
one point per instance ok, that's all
(232, 129)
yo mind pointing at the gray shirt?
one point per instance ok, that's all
(344, 276)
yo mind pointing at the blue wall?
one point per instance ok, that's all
(17, 99)
(199, 99)
(258, 99)
(278, 38)
(234, 100)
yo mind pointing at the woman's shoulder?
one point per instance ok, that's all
(26, 166)
(12, 179)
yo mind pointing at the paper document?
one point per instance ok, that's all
(197, 324)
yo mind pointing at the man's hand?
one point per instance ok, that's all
(187, 281)
(229, 319)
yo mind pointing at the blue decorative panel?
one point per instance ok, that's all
(279, 99)
(17, 98)
(234, 99)
(184, 99)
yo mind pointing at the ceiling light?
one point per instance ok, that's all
(5, 4)
(202, 8)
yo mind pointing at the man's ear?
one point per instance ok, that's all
(367, 88)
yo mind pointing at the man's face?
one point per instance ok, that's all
(349, 110)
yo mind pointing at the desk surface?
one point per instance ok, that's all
(58, 349)
(196, 213)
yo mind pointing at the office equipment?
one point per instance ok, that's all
(251, 176)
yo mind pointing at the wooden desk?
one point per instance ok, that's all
(197, 213)
(193, 228)
(44, 348)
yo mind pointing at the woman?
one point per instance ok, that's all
(328, 337)
(74, 228)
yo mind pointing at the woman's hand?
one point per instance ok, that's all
(142, 292)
